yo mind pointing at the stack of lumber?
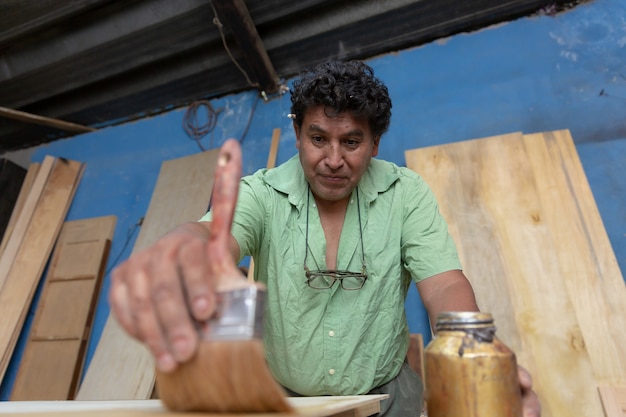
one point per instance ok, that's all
(30, 236)
(121, 368)
(533, 245)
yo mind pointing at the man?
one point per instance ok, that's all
(337, 238)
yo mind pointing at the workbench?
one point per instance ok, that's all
(345, 406)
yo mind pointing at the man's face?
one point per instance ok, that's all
(334, 153)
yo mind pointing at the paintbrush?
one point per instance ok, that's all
(228, 373)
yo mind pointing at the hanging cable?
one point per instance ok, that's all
(220, 27)
(196, 129)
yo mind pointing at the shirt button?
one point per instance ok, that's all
(331, 333)
(332, 372)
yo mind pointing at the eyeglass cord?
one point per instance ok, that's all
(306, 241)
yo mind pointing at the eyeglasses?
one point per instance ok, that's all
(325, 279)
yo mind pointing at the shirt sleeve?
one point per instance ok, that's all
(427, 247)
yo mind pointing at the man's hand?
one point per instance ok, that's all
(153, 292)
(530, 401)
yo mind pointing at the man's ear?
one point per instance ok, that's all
(375, 148)
(296, 130)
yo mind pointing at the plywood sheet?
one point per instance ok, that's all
(122, 368)
(32, 255)
(348, 406)
(533, 245)
(54, 353)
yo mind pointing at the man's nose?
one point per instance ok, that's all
(334, 157)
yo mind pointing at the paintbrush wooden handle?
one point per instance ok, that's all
(226, 187)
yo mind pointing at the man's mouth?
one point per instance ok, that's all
(333, 179)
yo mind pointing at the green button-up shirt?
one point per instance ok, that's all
(335, 341)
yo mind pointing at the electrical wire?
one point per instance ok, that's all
(192, 125)
(220, 27)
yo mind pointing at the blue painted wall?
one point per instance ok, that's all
(531, 75)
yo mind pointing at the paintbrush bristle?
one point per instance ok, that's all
(224, 377)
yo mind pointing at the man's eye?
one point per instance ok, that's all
(352, 143)
(316, 139)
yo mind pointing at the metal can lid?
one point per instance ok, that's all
(464, 317)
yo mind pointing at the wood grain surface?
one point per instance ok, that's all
(348, 406)
(31, 257)
(533, 245)
(54, 354)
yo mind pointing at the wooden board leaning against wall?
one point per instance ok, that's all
(534, 247)
(54, 354)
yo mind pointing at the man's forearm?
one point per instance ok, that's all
(448, 291)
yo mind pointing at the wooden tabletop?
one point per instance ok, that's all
(345, 406)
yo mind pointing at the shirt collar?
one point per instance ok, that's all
(288, 178)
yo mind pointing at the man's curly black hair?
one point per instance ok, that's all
(343, 87)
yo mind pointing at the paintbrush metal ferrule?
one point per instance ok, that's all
(239, 315)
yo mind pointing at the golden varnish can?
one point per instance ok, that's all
(469, 371)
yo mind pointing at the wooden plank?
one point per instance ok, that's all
(271, 158)
(23, 220)
(27, 184)
(613, 400)
(122, 368)
(54, 354)
(593, 280)
(32, 256)
(519, 213)
(456, 175)
(43, 378)
(44, 121)
(355, 406)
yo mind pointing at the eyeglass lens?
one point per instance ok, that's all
(324, 281)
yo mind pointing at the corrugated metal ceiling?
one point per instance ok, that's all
(100, 62)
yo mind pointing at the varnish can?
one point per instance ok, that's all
(469, 371)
